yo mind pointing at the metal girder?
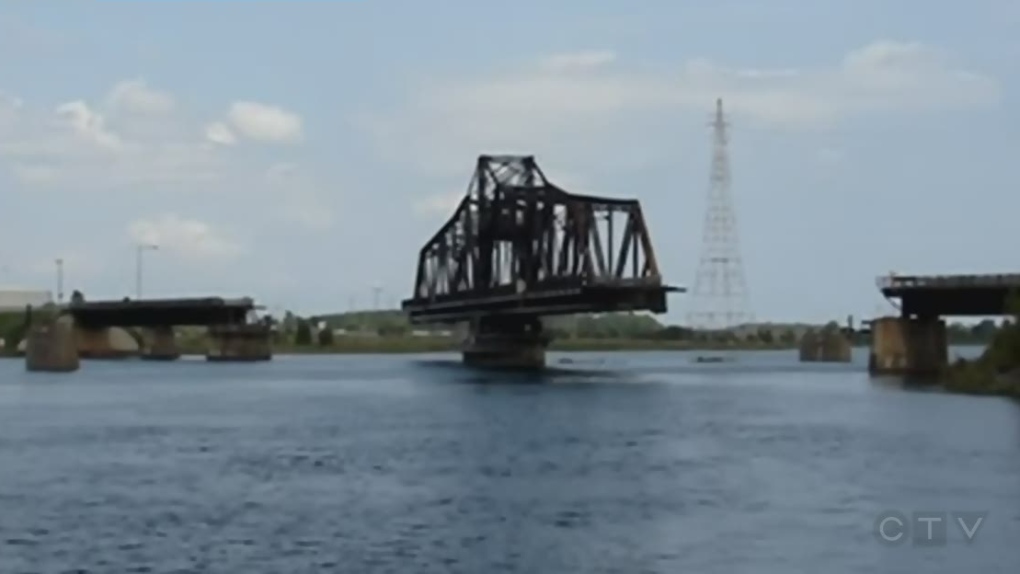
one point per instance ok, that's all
(515, 232)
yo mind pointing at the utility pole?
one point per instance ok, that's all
(141, 248)
(60, 280)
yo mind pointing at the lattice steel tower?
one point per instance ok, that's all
(719, 298)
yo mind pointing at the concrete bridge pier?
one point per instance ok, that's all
(908, 346)
(159, 344)
(50, 346)
(244, 342)
(506, 343)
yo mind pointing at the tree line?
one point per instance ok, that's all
(306, 331)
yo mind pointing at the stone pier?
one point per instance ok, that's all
(908, 346)
(506, 343)
(825, 346)
(50, 346)
(247, 342)
(159, 344)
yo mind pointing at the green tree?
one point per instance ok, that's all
(326, 337)
(984, 331)
(674, 333)
(391, 330)
(303, 335)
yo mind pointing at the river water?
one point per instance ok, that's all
(620, 462)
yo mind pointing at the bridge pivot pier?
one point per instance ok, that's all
(506, 343)
(239, 343)
(518, 248)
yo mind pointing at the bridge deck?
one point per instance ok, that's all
(935, 295)
(591, 298)
(161, 312)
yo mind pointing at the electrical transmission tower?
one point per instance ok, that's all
(719, 298)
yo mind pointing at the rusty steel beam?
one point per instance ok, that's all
(517, 233)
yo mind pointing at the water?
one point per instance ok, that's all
(629, 463)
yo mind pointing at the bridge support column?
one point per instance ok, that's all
(906, 346)
(248, 342)
(159, 344)
(104, 342)
(506, 343)
(51, 346)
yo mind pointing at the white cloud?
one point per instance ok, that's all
(88, 124)
(188, 238)
(578, 105)
(80, 146)
(219, 133)
(265, 123)
(136, 96)
(133, 137)
(9, 109)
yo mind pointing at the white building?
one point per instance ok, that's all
(18, 299)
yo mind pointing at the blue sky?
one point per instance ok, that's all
(301, 152)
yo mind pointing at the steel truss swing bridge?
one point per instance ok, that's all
(519, 247)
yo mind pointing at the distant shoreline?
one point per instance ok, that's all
(406, 345)
(422, 345)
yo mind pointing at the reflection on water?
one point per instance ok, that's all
(618, 462)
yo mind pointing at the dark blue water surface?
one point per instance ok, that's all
(629, 462)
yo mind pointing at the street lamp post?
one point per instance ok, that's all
(142, 247)
(60, 280)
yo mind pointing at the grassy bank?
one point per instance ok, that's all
(980, 377)
(997, 370)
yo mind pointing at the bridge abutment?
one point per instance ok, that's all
(245, 342)
(908, 346)
(159, 344)
(51, 346)
(506, 343)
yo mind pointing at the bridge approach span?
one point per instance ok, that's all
(948, 295)
(915, 343)
(199, 311)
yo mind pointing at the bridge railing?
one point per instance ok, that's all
(948, 281)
